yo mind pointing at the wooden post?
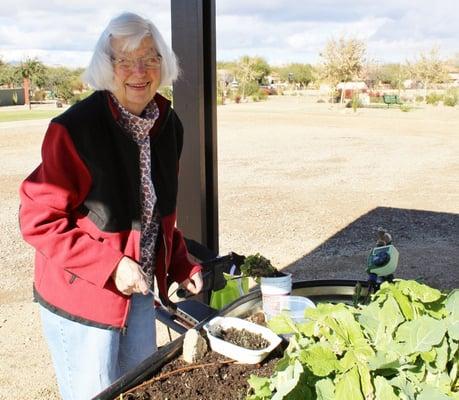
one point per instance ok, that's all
(193, 41)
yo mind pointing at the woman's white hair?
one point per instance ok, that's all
(131, 28)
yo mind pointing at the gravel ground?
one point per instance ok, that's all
(304, 184)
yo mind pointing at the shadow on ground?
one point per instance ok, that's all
(427, 242)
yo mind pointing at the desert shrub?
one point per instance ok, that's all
(451, 98)
(259, 96)
(405, 108)
(250, 88)
(450, 101)
(321, 101)
(419, 99)
(39, 95)
(433, 98)
(354, 103)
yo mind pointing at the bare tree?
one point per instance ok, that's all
(428, 69)
(251, 69)
(343, 60)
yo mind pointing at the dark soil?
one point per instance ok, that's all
(213, 377)
(244, 338)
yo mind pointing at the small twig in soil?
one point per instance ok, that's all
(174, 372)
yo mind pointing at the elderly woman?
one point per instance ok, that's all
(100, 210)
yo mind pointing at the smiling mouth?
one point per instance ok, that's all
(138, 85)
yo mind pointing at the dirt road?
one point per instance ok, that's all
(302, 183)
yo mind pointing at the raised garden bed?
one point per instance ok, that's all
(213, 377)
(169, 356)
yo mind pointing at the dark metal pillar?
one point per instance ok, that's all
(193, 41)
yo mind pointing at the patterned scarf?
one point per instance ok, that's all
(139, 128)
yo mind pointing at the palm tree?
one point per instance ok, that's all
(29, 68)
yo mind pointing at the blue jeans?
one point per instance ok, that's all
(87, 359)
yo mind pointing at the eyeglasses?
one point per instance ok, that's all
(148, 62)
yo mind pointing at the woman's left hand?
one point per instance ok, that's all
(194, 283)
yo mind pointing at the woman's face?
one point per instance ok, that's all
(137, 74)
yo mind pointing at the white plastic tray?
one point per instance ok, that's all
(235, 352)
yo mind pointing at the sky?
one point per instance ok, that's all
(64, 32)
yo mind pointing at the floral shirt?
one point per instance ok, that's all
(139, 128)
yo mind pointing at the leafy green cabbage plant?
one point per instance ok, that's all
(403, 345)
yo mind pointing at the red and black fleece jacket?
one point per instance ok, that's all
(80, 209)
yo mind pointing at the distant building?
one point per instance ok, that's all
(350, 88)
(453, 79)
(12, 97)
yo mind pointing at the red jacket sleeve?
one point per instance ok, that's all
(49, 200)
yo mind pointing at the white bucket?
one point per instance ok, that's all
(271, 287)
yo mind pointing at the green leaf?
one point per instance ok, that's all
(437, 309)
(421, 334)
(441, 354)
(323, 310)
(365, 380)
(348, 386)
(453, 373)
(452, 303)
(439, 379)
(391, 316)
(429, 356)
(418, 291)
(416, 372)
(320, 359)
(260, 386)
(406, 388)
(384, 360)
(384, 391)
(453, 347)
(282, 324)
(453, 330)
(432, 393)
(285, 381)
(306, 328)
(369, 318)
(325, 389)
(380, 322)
(404, 303)
(300, 392)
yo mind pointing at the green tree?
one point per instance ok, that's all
(343, 60)
(301, 74)
(251, 70)
(63, 82)
(10, 75)
(394, 75)
(428, 69)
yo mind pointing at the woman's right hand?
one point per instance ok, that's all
(129, 277)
